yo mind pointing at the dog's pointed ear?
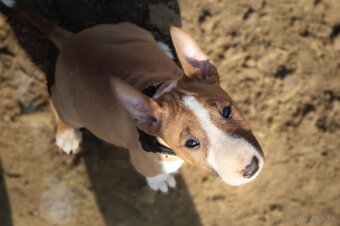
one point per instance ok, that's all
(194, 62)
(142, 108)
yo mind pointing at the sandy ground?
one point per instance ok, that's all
(280, 60)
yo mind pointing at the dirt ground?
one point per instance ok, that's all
(280, 60)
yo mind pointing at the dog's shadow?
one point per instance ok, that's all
(123, 196)
(121, 193)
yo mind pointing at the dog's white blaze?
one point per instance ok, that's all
(227, 155)
(171, 86)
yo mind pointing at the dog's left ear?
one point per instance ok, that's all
(194, 62)
(142, 108)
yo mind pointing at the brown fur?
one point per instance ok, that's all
(100, 66)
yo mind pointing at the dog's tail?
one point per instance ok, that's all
(55, 33)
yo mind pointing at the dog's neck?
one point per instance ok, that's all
(148, 142)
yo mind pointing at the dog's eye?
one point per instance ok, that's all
(226, 112)
(192, 143)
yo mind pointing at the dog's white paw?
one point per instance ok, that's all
(161, 182)
(69, 140)
(166, 49)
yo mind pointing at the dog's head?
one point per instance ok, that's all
(196, 118)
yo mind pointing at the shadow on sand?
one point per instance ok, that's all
(5, 213)
(122, 195)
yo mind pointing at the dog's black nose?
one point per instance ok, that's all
(252, 168)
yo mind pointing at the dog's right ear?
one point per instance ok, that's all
(142, 108)
(194, 62)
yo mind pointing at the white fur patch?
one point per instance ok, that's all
(166, 49)
(171, 166)
(171, 86)
(69, 140)
(227, 155)
(9, 3)
(161, 182)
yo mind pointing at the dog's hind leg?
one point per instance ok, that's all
(68, 138)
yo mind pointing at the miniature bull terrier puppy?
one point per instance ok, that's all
(117, 82)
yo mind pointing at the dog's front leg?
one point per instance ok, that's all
(166, 178)
(158, 170)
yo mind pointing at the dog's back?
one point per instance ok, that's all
(85, 62)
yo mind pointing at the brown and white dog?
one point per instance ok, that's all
(100, 76)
